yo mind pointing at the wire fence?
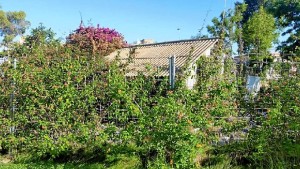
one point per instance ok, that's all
(253, 80)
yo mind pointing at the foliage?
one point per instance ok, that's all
(199, 36)
(237, 19)
(287, 21)
(253, 6)
(287, 13)
(58, 122)
(229, 28)
(223, 28)
(233, 24)
(57, 97)
(259, 33)
(71, 108)
(40, 37)
(273, 141)
(95, 40)
(12, 24)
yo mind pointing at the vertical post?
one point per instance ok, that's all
(12, 97)
(172, 72)
(12, 102)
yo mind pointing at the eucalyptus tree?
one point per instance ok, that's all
(12, 24)
(222, 27)
(229, 27)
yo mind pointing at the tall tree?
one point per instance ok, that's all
(12, 24)
(237, 19)
(228, 27)
(243, 12)
(252, 7)
(259, 33)
(287, 13)
(223, 28)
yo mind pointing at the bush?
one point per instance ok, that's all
(95, 40)
(82, 109)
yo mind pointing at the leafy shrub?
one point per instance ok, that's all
(70, 106)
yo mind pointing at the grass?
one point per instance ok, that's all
(129, 161)
(120, 162)
(51, 165)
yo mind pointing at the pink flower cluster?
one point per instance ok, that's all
(96, 39)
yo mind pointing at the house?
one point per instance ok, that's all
(157, 55)
(144, 42)
(3, 59)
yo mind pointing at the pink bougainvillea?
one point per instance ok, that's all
(96, 40)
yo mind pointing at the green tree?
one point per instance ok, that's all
(242, 13)
(41, 36)
(287, 13)
(40, 40)
(237, 19)
(259, 33)
(252, 7)
(12, 24)
(229, 28)
(223, 28)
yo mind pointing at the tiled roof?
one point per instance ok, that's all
(157, 55)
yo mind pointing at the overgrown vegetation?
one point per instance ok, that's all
(65, 105)
(73, 108)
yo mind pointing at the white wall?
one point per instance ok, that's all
(192, 79)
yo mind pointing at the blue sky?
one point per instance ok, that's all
(135, 19)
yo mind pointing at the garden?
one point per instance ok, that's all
(64, 105)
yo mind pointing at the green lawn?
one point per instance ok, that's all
(121, 162)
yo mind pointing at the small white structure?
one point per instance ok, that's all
(253, 84)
